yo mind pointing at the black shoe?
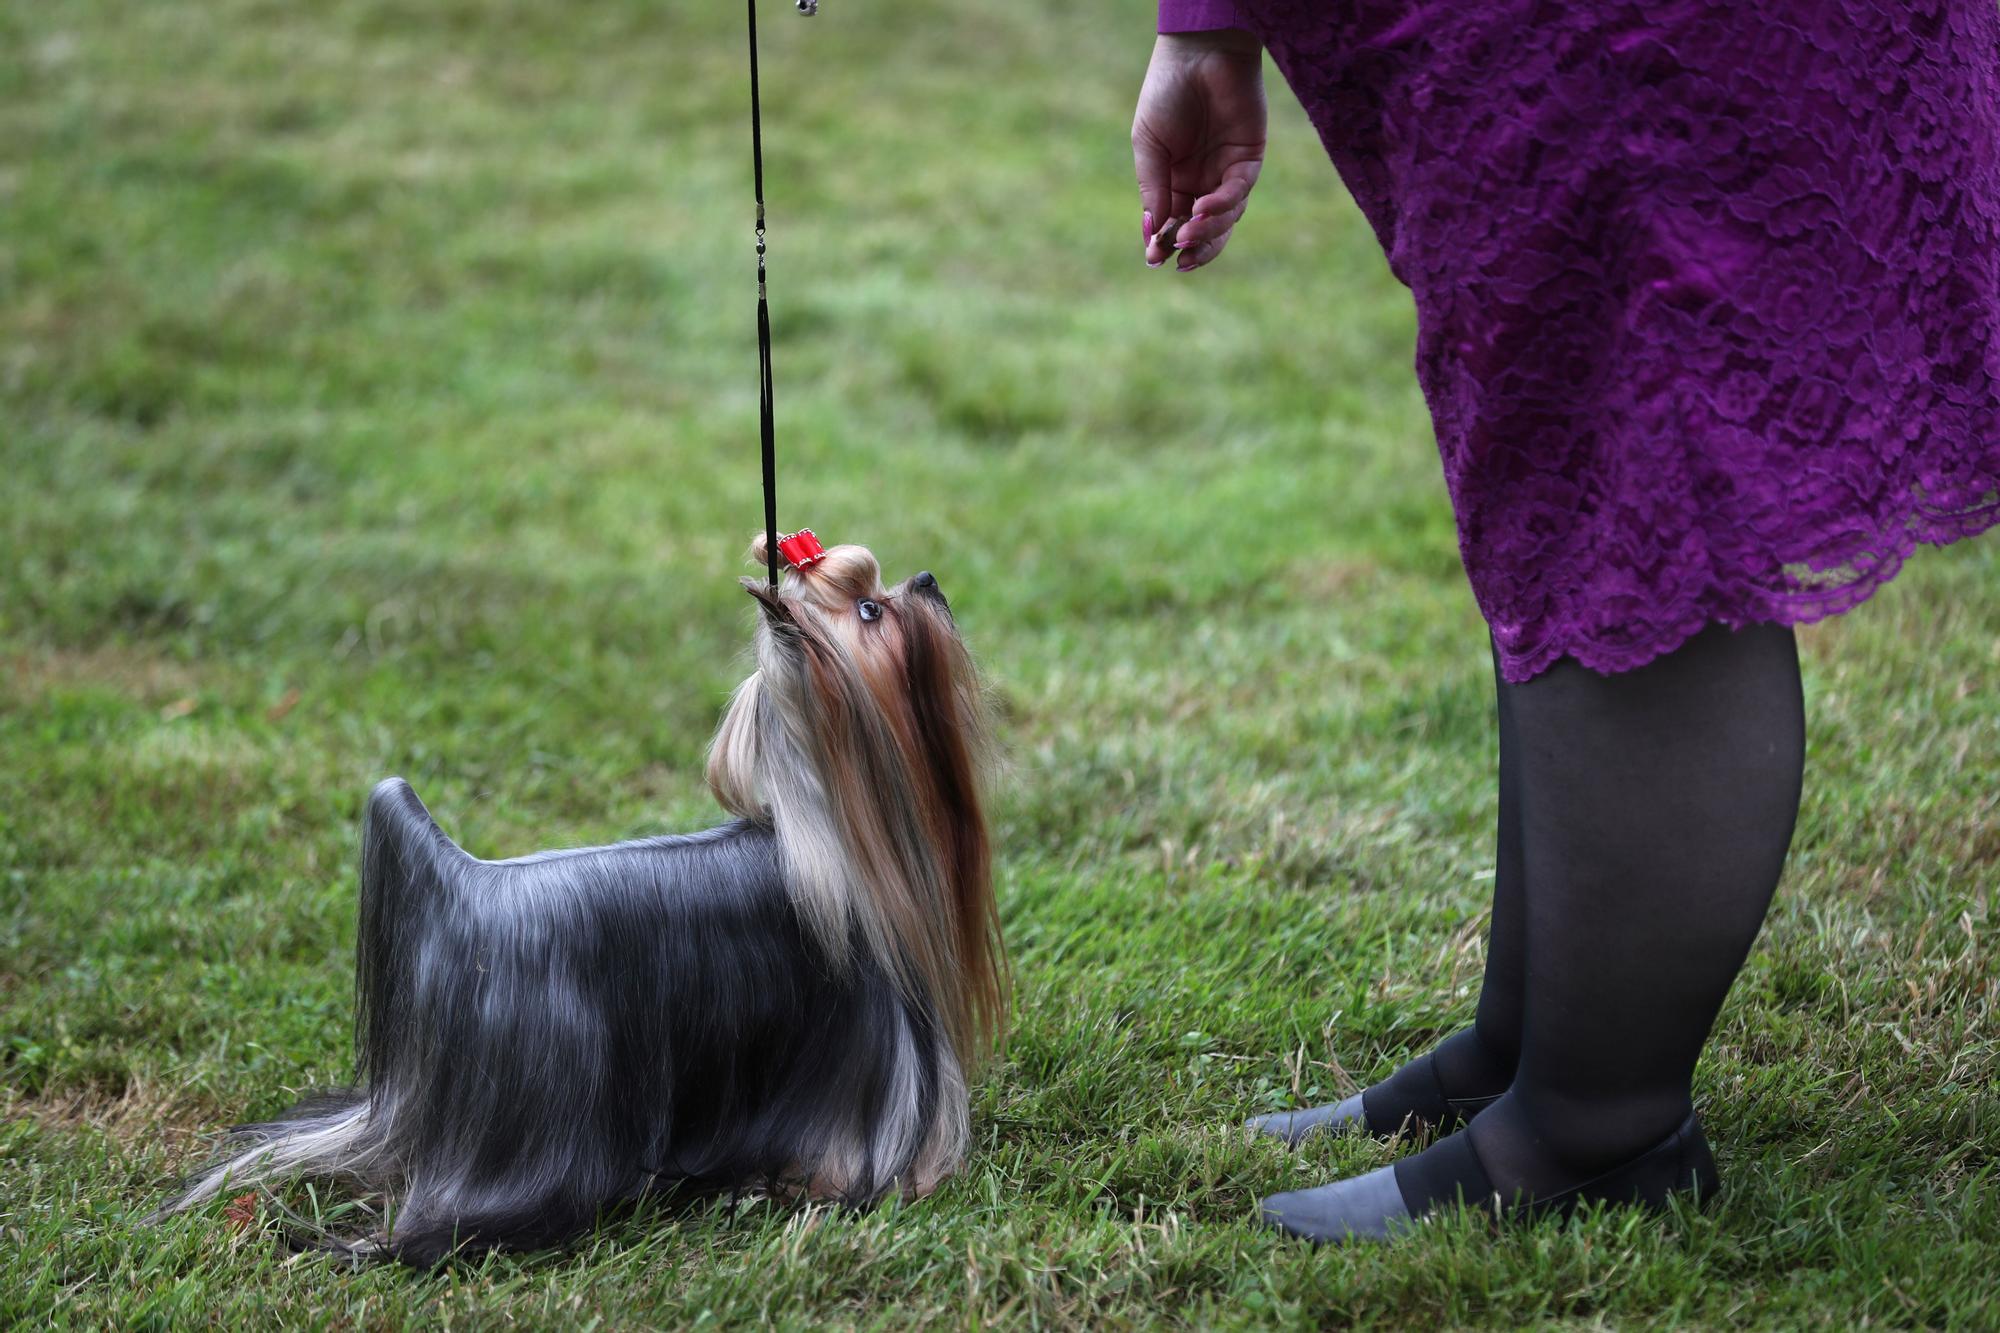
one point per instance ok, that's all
(1392, 1199)
(1411, 1099)
(1294, 1126)
(1681, 1163)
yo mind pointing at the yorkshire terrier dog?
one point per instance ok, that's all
(790, 1001)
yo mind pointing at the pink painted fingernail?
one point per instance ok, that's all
(1184, 240)
(1146, 227)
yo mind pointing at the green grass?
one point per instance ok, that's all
(376, 396)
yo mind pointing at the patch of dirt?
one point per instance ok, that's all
(1330, 580)
(141, 1116)
(30, 677)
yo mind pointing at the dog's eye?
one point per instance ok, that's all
(868, 610)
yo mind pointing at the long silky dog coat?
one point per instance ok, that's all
(790, 1000)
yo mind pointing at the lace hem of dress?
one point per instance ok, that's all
(1820, 594)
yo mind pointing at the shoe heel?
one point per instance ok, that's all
(1699, 1174)
(1681, 1163)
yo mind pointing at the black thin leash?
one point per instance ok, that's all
(767, 422)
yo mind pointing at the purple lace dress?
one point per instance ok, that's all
(1708, 292)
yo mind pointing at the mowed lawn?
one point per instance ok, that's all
(377, 395)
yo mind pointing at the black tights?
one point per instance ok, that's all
(1483, 1060)
(1644, 819)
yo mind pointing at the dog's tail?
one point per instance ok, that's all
(410, 876)
(347, 1134)
(328, 1134)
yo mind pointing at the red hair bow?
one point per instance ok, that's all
(801, 550)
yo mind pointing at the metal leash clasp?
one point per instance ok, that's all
(809, 7)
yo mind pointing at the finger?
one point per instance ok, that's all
(1196, 256)
(1216, 212)
(1180, 205)
(1233, 191)
(1206, 226)
(1165, 239)
(1153, 167)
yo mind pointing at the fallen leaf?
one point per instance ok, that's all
(241, 1212)
(276, 712)
(178, 708)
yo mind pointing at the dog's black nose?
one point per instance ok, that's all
(924, 586)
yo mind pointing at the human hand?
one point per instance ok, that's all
(1198, 140)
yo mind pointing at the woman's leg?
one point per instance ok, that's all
(1658, 816)
(1464, 1073)
(1656, 809)
(1479, 1062)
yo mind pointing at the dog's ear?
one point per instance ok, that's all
(777, 614)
